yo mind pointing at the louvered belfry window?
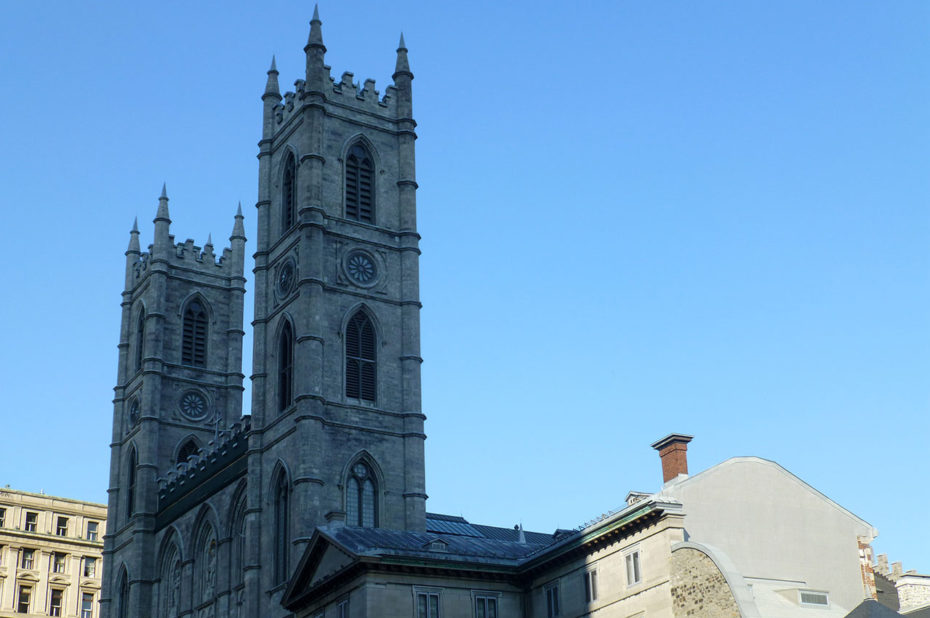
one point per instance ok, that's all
(289, 193)
(360, 174)
(194, 343)
(361, 359)
(285, 367)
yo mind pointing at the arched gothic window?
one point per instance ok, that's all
(140, 340)
(361, 496)
(205, 566)
(187, 449)
(281, 524)
(133, 413)
(170, 584)
(237, 563)
(133, 462)
(289, 194)
(361, 358)
(122, 596)
(285, 367)
(360, 175)
(194, 342)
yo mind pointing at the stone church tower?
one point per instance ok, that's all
(210, 510)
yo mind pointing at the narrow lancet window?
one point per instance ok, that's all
(289, 194)
(286, 367)
(361, 359)
(131, 483)
(189, 448)
(194, 342)
(281, 519)
(361, 497)
(140, 340)
(360, 174)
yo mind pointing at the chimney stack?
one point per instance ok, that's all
(673, 449)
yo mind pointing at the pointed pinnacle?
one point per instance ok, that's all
(164, 191)
(238, 229)
(316, 12)
(135, 226)
(402, 66)
(239, 211)
(316, 33)
(273, 68)
(209, 240)
(134, 237)
(401, 45)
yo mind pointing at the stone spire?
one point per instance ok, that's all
(163, 204)
(402, 81)
(402, 65)
(271, 86)
(162, 222)
(238, 228)
(315, 51)
(134, 237)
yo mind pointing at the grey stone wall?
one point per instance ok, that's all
(698, 587)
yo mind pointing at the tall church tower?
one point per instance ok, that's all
(179, 381)
(336, 416)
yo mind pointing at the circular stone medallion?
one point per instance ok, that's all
(286, 276)
(361, 268)
(193, 405)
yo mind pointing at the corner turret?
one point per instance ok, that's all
(162, 224)
(402, 81)
(316, 72)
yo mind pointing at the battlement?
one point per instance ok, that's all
(205, 464)
(358, 95)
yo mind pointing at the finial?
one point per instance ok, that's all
(238, 228)
(134, 237)
(164, 191)
(316, 12)
(273, 65)
(209, 240)
(316, 33)
(402, 67)
(135, 226)
(162, 213)
(271, 86)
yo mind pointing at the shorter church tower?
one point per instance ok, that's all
(179, 384)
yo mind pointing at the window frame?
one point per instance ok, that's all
(59, 529)
(31, 521)
(59, 562)
(92, 535)
(486, 596)
(803, 603)
(358, 499)
(281, 528)
(87, 597)
(31, 553)
(354, 177)
(633, 566)
(590, 585)
(195, 340)
(285, 366)
(427, 593)
(89, 561)
(61, 602)
(362, 336)
(553, 597)
(288, 192)
(2, 517)
(19, 599)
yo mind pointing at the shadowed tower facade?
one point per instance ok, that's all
(224, 504)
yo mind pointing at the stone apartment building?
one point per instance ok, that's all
(314, 504)
(50, 555)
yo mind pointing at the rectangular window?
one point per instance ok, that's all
(1, 561)
(32, 521)
(87, 605)
(61, 529)
(90, 567)
(427, 605)
(58, 563)
(54, 606)
(91, 531)
(342, 610)
(485, 607)
(2, 517)
(633, 576)
(553, 607)
(22, 604)
(27, 559)
(817, 599)
(590, 586)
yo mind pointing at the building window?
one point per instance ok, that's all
(32, 520)
(131, 483)
(90, 567)
(361, 359)
(590, 586)
(360, 174)
(633, 575)
(281, 520)
(91, 531)
(28, 559)
(187, 449)
(361, 497)
(553, 607)
(58, 563)
(342, 610)
(54, 605)
(1, 559)
(61, 527)
(87, 605)
(485, 607)
(289, 193)
(285, 367)
(2, 517)
(194, 342)
(140, 340)
(427, 605)
(22, 604)
(813, 598)
(122, 597)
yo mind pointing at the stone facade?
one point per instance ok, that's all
(699, 588)
(210, 509)
(50, 555)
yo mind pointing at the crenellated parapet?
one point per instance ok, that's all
(361, 96)
(207, 464)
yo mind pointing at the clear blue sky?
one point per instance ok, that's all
(637, 218)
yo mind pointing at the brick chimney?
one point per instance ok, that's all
(673, 449)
